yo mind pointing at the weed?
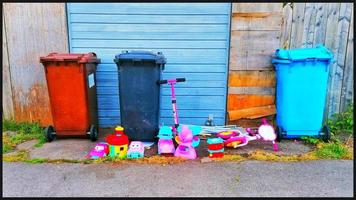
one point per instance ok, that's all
(310, 140)
(24, 131)
(21, 155)
(342, 122)
(36, 161)
(332, 150)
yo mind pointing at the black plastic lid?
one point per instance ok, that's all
(140, 56)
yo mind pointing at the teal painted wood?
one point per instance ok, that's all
(193, 36)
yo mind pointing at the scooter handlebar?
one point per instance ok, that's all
(171, 81)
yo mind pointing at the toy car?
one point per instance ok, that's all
(99, 151)
(136, 150)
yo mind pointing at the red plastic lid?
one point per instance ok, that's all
(79, 57)
(117, 139)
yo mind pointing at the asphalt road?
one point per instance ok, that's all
(228, 179)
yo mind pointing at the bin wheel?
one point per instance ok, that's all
(325, 134)
(50, 134)
(93, 133)
(279, 134)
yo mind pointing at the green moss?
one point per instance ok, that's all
(24, 132)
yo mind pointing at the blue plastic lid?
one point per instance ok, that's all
(140, 56)
(320, 52)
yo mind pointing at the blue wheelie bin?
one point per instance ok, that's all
(302, 76)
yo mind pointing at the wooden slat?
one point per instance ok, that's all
(252, 113)
(256, 7)
(34, 30)
(252, 123)
(347, 93)
(286, 26)
(252, 79)
(252, 90)
(256, 22)
(240, 101)
(337, 67)
(7, 104)
(309, 25)
(320, 24)
(297, 25)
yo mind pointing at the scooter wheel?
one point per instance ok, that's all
(279, 134)
(50, 134)
(93, 133)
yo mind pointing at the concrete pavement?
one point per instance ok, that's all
(323, 178)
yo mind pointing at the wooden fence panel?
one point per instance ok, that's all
(33, 30)
(7, 104)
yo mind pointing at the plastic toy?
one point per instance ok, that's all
(99, 151)
(165, 142)
(227, 134)
(265, 132)
(118, 143)
(185, 148)
(195, 131)
(215, 147)
(136, 150)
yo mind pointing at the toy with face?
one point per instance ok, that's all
(136, 150)
(99, 151)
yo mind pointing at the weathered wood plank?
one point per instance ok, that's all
(297, 25)
(7, 104)
(253, 50)
(256, 22)
(309, 25)
(252, 90)
(320, 24)
(252, 79)
(34, 30)
(286, 26)
(330, 42)
(252, 113)
(256, 7)
(339, 54)
(241, 101)
(347, 92)
(252, 123)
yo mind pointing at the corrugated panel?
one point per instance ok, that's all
(193, 36)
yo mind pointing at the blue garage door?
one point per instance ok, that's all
(193, 36)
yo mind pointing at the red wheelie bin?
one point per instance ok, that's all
(71, 83)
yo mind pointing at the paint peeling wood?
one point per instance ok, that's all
(252, 90)
(256, 7)
(347, 92)
(297, 25)
(241, 101)
(33, 30)
(286, 26)
(7, 104)
(252, 113)
(256, 22)
(339, 54)
(252, 79)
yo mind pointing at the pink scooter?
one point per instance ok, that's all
(265, 132)
(174, 101)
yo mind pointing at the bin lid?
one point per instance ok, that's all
(141, 56)
(320, 52)
(64, 57)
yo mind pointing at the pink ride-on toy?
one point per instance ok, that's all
(185, 148)
(265, 132)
